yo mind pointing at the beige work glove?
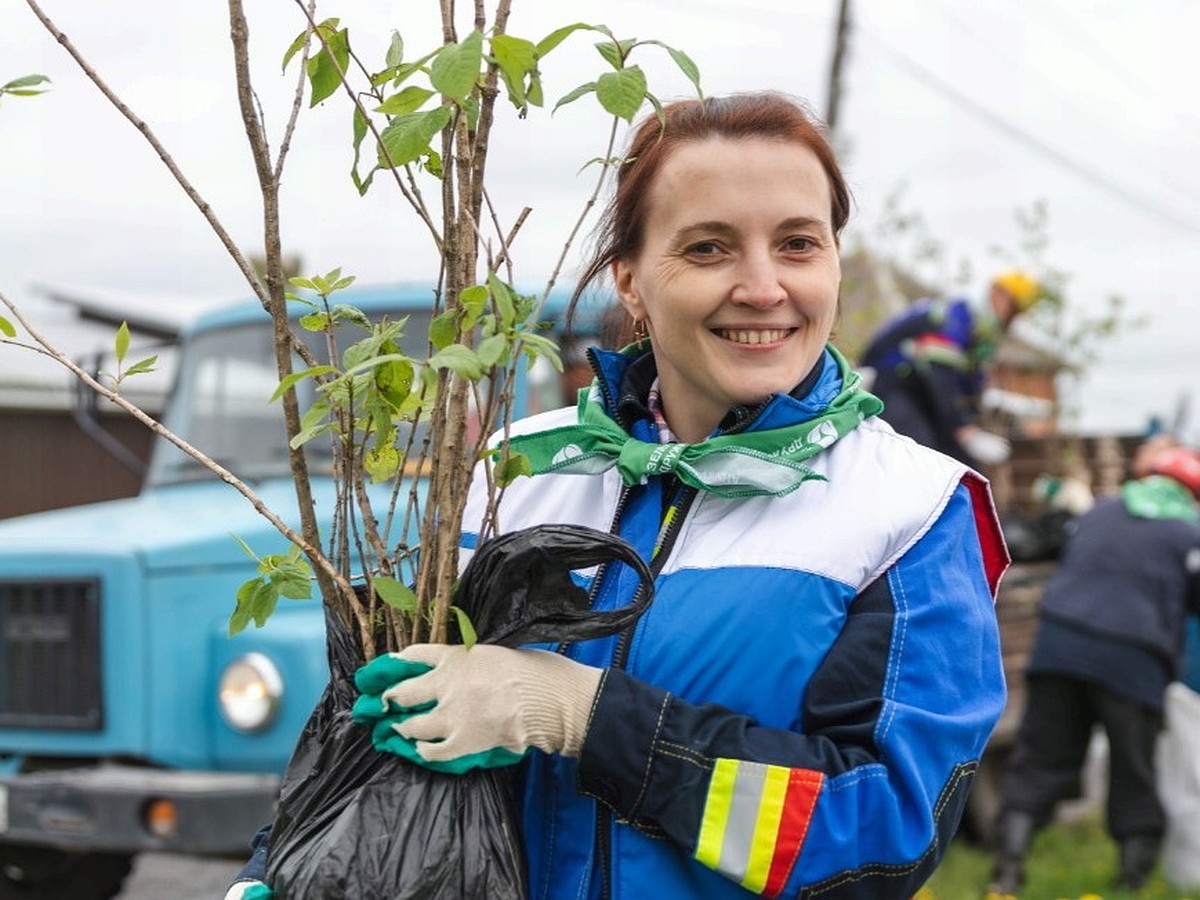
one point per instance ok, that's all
(488, 697)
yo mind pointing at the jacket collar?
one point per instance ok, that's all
(625, 376)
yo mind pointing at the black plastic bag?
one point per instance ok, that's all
(363, 825)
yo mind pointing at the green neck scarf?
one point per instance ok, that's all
(1159, 497)
(747, 464)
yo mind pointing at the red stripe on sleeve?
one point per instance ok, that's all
(803, 788)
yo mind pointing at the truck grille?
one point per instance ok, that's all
(50, 655)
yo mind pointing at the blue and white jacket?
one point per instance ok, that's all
(801, 710)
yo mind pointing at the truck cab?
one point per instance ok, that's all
(129, 719)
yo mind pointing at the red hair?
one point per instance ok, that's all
(765, 115)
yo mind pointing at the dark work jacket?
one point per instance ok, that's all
(1128, 580)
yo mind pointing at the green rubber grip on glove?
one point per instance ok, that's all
(382, 717)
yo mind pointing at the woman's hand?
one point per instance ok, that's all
(487, 697)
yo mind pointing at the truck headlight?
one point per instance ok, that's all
(250, 692)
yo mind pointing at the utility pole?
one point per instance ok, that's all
(834, 97)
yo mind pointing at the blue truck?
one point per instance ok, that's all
(129, 720)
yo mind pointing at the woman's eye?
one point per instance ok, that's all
(704, 248)
(798, 243)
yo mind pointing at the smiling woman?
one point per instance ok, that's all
(787, 717)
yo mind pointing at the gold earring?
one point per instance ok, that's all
(640, 330)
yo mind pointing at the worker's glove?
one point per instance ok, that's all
(489, 697)
(989, 449)
(249, 890)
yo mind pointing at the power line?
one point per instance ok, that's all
(1052, 86)
(1101, 54)
(1014, 132)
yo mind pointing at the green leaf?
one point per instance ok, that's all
(17, 85)
(611, 51)
(505, 302)
(353, 313)
(473, 301)
(525, 305)
(396, 594)
(456, 67)
(262, 602)
(535, 95)
(298, 44)
(286, 382)
(381, 463)
(121, 344)
(395, 51)
(574, 95)
(362, 185)
(293, 577)
(465, 628)
(313, 423)
(621, 93)
(394, 379)
(6, 328)
(359, 127)
(325, 69)
(374, 362)
(459, 359)
(241, 613)
(443, 330)
(309, 434)
(407, 138)
(142, 366)
(315, 321)
(408, 100)
(294, 588)
(556, 37)
(539, 345)
(492, 350)
(517, 59)
(685, 64)
(511, 467)
(470, 106)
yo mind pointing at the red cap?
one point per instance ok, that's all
(1181, 464)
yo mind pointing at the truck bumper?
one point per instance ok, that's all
(130, 809)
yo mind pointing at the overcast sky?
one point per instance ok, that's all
(969, 110)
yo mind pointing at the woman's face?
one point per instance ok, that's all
(738, 276)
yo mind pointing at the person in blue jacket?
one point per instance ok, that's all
(1109, 641)
(801, 709)
(929, 367)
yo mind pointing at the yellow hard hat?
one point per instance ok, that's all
(1021, 286)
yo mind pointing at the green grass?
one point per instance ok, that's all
(1067, 862)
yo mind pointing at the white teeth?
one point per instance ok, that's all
(767, 336)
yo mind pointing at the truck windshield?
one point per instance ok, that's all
(219, 403)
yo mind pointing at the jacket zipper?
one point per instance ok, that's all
(662, 552)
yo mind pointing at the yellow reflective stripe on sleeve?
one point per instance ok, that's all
(716, 812)
(755, 820)
(766, 828)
